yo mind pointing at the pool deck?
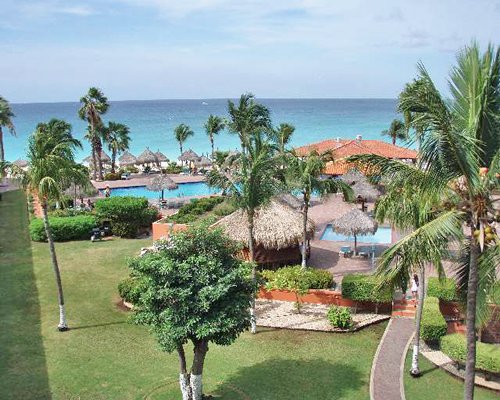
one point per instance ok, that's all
(144, 179)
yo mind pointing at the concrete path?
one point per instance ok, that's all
(386, 381)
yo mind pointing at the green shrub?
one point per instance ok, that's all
(296, 277)
(444, 290)
(191, 211)
(225, 208)
(433, 325)
(172, 168)
(130, 289)
(487, 355)
(126, 214)
(113, 176)
(63, 228)
(340, 317)
(69, 212)
(65, 202)
(365, 288)
(132, 169)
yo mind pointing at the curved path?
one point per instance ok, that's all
(386, 381)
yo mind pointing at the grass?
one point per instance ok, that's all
(437, 384)
(104, 357)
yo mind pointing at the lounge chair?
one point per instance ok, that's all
(125, 176)
(345, 251)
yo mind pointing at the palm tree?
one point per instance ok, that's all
(304, 175)
(281, 136)
(461, 143)
(213, 126)
(93, 105)
(6, 116)
(397, 131)
(51, 161)
(182, 132)
(248, 118)
(118, 139)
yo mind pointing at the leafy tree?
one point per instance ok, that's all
(6, 116)
(51, 161)
(182, 132)
(194, 290)
(213, 126)
(281, 136)
(118, 138)
(93, 105)
(304, 174)
(459, 162)
(397, 131)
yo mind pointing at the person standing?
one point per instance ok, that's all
(414, 288)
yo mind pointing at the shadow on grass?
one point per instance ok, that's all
(23, 369)
(97, 325)
(295, 379)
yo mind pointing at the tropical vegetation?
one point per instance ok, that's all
(397, 131)
(213, 127)
(117, 136)
(182, 132)
(6, 116)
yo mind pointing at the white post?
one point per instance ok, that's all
(63, 324)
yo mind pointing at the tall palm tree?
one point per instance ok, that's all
(6, 116)
(93, 105)
(213, 126)
(460, 144)
(51, 161)
(304, 175)
(118, 138)
(247, 118)
(281, 136)
(396, 131)
(182, 132)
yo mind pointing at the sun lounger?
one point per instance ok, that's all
(345, 251)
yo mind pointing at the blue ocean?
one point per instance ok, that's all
(152, 122)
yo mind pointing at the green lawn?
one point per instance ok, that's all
(104, 357)
(437, 384)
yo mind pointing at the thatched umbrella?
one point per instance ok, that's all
(127, 158)
(203, 161)
(20, 163)
(354, 223)
(276, 226)
(366, 191)
(78, 191)
(353, 176)
(147, 157)
(160, 183)
(188, 155)
(161, 157)
(104, 158)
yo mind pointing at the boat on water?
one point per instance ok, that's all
(204, 103)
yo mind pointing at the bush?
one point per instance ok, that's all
(365, 288)
(126, 214)
(113, 176)
(172, 168)
(444, 290)
(132, 169)
(191, 211)
(340, 317)
(433, 325)
(66, 201)
(63, 228)
(69, 212)
(296, 277)
(225, 208)
(487, 355)
(130, 289)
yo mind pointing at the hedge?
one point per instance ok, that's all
(487, 355)
(127, 214)
(446, 289)
(191, 211)
(297, 278)
(365, 288)
(63, 228)
(433, 325)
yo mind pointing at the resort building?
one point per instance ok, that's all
(344, 148)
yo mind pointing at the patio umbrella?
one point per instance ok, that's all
(127, 159)
(147, 157)
(354, 223)
(160, 183)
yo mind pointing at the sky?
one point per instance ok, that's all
(54, 50)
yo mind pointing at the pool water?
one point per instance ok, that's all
(383, 235)
(183, 190)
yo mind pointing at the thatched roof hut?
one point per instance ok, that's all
(147, 157)
(20, 163)
(127, 158)
(203, 161)
(161, 182)
(189, 155)
(161, 157)
(354, 223)
(104, 158)
(277, 232)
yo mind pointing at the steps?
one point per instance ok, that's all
(404, 308)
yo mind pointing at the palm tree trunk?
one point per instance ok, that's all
(94, 161)
(113, 161)
(180, 146)
(394, 140)
(355, 244)
(304, 237)
(63, 325)
(2, 153)
(212, 143)
(251, 252)
(470, 362)
(99, 158)
(415, 370)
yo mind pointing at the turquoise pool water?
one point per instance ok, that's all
(183, 190)
(383, 235)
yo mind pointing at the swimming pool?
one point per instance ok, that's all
(383, 235)
(183, 190)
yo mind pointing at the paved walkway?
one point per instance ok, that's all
(386, 376)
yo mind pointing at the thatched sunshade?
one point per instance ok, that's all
(203, 161)
(147, 157)
(161, 157)
(127, 158)
(353, 176)
(78, 191)
(20, 163)
(189, 155)
(160, 183)
(354, 223)
(365, 191)
(276, 226)
(104, 158)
